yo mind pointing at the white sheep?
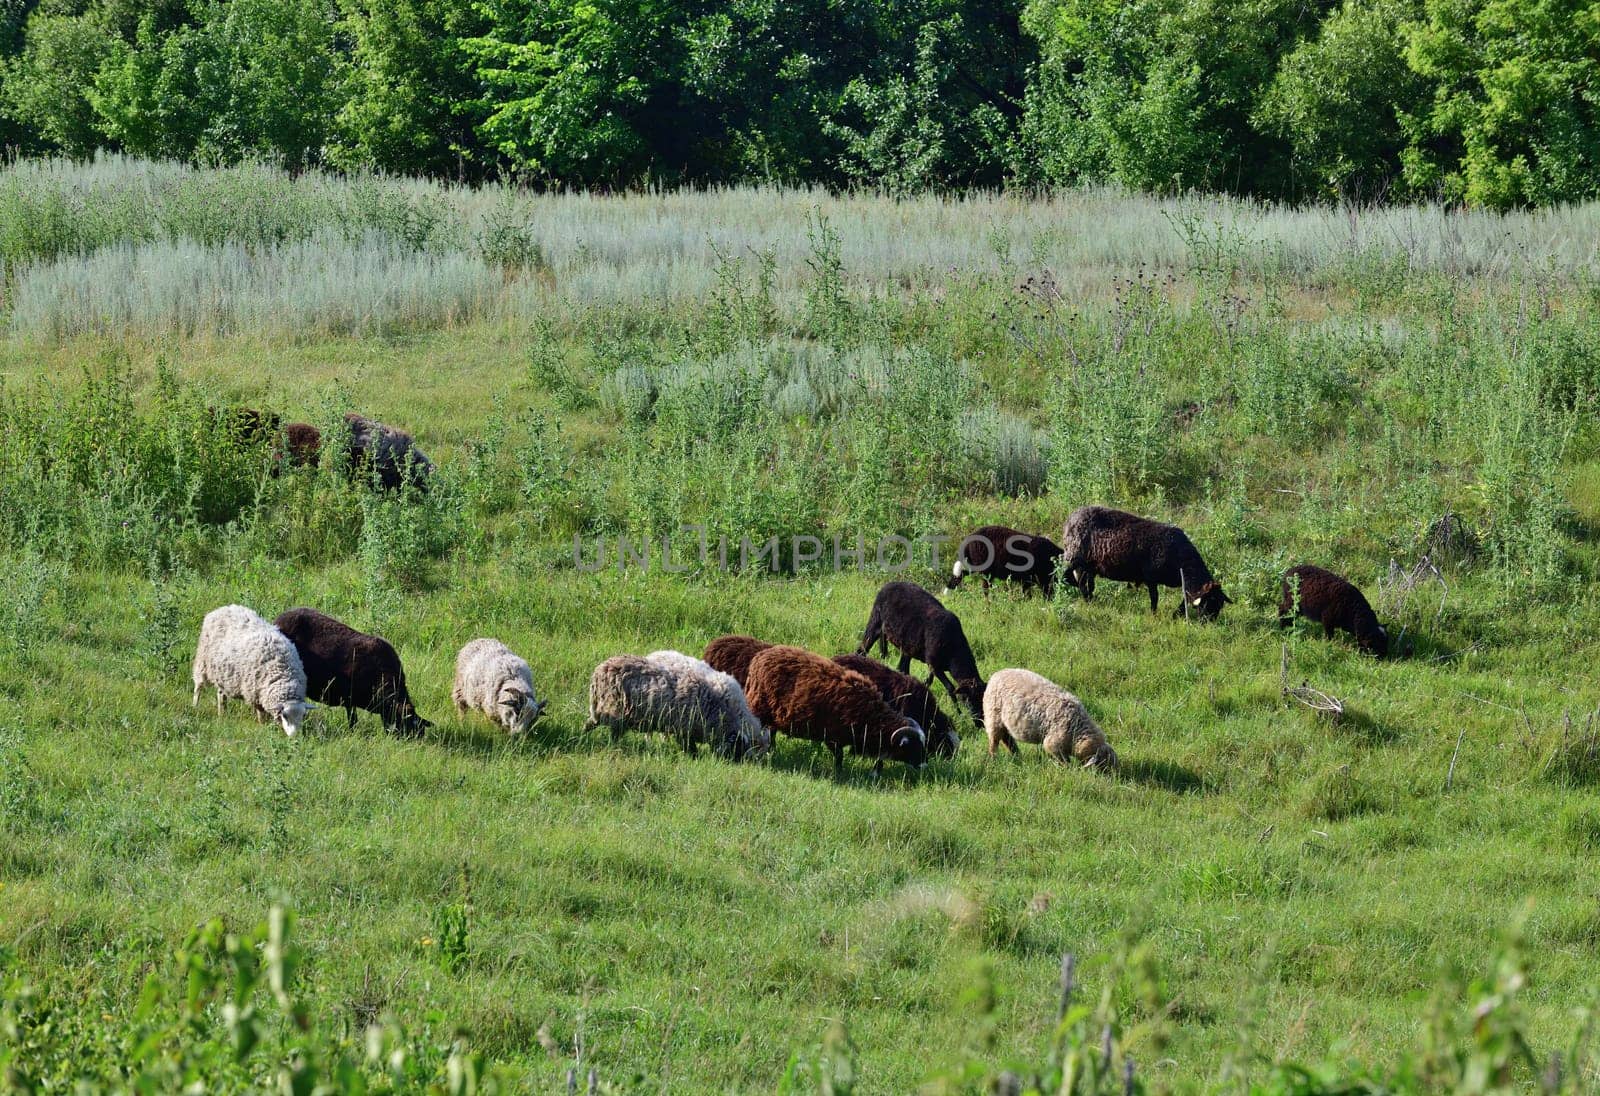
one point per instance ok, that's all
(1022, 706)
(631, 693)
(758, 737)
(491, 678)
(245, 656)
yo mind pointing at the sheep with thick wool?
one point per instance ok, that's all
(1123, 547)
(908, 696)
(812, 697)
(387, 451)
(732, 655)
(493, 679)
(913, 620)
(1334, 602)
(245, 657)
(1022, 706)
(758, 737)
(628, 693)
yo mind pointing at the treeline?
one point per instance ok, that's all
(1488, 102)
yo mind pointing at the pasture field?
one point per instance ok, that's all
(1408, 396)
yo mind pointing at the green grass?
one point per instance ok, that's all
(1302, 887)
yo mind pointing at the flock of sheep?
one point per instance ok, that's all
(744, 689)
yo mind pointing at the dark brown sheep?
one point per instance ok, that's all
(1001, 552)
(388, 454)
(732, 655)
(1101, 542)
(811, 697)
(247, 426)
(351, 669)
(908, 696)
(301, 446)
(1335, 603)
(912, 619)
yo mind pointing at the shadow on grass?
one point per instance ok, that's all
(1175, 778)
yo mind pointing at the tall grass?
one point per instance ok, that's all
(337, 243)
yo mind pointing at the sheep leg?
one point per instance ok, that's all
(1086, 585)
(221, 700)
(948, 684)
(1285, 621)
(589, 724)
(195, 703)
(1327, 629)
(905, 662)
(838, 758)
(350, 716)
(1155, 596)
(988, 583)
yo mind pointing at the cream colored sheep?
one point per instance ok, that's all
(245, 657)
(492, 679)
(759, 737)
(1022, 706)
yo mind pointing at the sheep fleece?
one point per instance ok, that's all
(247, 658)
(484, 669)
(631, 693)
(756, 736)
(1027, 707)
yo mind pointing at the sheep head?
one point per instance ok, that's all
(1208, 600)
(518, 710)
(1374, 643)
(909, 744)
(292, 715)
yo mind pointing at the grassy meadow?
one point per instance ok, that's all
(1405, 395)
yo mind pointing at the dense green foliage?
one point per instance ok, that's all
(1491, 102)
(1261, 900)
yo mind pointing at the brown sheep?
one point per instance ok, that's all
(811, 697)
(908, 696)
(732, 655)
(1334, 602)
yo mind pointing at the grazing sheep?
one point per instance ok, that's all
(757, 736)
(808, 696)
(1333, 602)
(912, 619)
(493, 679)
(631, 693)
(908, 696)
(732, 655)
(1022, 706)
(1099, 541)
(246, 657)
(389, 452)
(301, 446)
(352, 669)
(246, 426)
(998, 551)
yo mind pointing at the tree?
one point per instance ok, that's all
(45, 88)
(248, 77)
(1158, 94)
(1337, 98)
(1515, 112)
(411, 99)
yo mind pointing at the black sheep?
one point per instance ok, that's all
(910, 697)
(1100, 541)
(1333, 602)
(912, 619)
(351, 669)
(998, 551)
